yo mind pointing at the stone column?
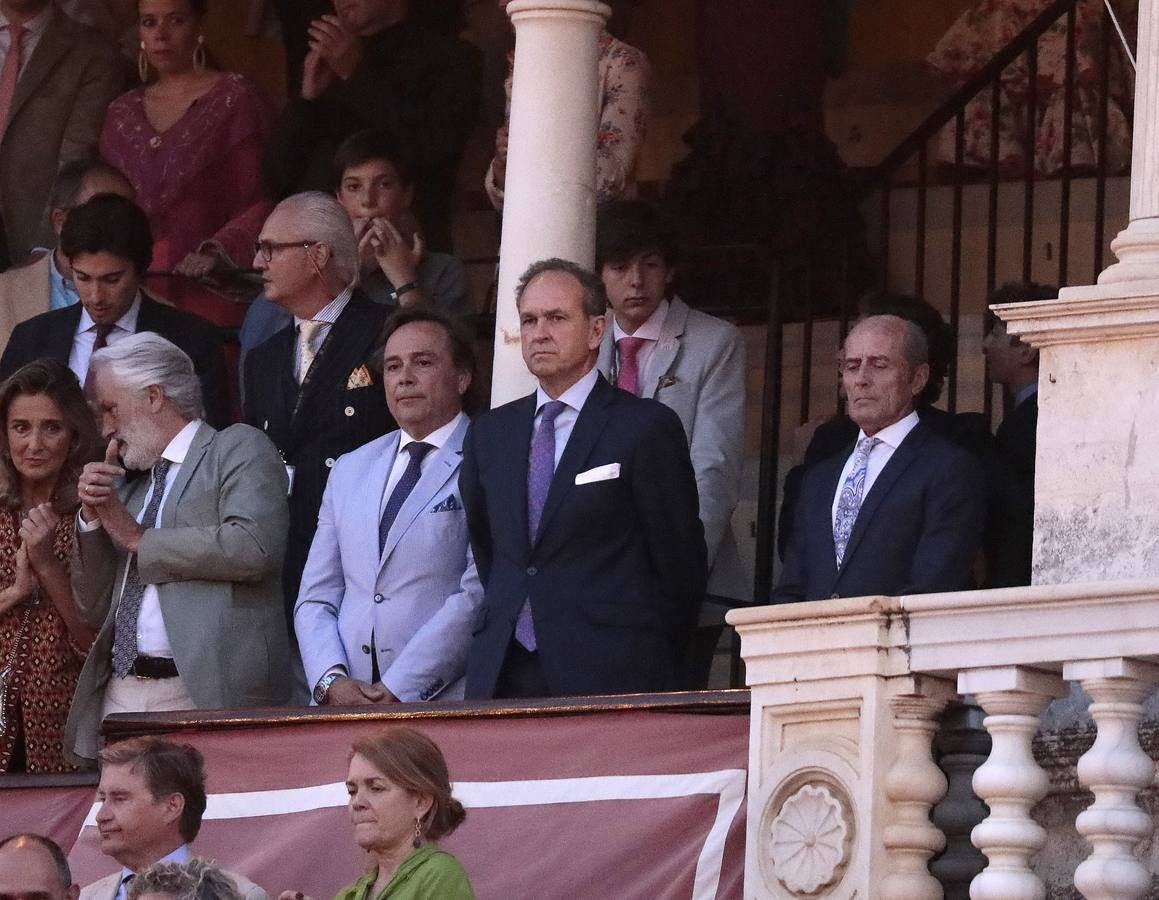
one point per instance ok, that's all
(549, 206)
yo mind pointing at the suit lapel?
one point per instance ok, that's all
(197, 448)
(346, 344)
(441, 470)
(52, 47)
(60, 340)
(587, 429)
(606, 361)
(901, 460)
(667, 348)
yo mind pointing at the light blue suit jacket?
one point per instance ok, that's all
(418, 599)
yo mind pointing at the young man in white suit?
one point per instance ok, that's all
(657, 347)
(389, 592)
(152, 798)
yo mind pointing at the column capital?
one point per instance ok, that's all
(526, 9)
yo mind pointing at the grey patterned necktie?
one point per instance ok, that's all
(125, 630)
(852, 493)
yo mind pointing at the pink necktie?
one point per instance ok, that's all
(628, 378)
(10, 73)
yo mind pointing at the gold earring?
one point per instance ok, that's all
(418, 831)
(143, 64)
(199, 54)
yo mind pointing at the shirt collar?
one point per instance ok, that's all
(34, 26)
(180, 855)
(332, 310)
(575, 396)
(127, 322)
(894, 434)
(650, 330)
(436, 438)
(56, 276)
(178, 448)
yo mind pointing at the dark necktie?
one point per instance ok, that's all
(125, 630)
(414, 470)
(100, 341)
(540, 471)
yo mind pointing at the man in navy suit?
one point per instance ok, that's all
(902, 510)
(582, 507)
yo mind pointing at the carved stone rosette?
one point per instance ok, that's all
(807, 837)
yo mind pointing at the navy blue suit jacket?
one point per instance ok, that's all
(918, 530)
(618, 570)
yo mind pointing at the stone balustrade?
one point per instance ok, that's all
(847, 697)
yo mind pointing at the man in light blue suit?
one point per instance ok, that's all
(389, 593)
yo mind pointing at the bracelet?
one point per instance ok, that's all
(402, 289)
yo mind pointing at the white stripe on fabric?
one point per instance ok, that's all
(727, 784)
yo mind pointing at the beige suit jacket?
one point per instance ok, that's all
(106, 888)
(25, 291)
(55, 118)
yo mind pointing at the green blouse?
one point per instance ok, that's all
(427, 874)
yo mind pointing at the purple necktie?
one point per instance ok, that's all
(540, 471)
(628, 378)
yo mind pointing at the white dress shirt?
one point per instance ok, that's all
(436, 439)
(33, 31)
(650, 332)
(86, 337)
(891, 437)
(575, 397)
(328, 314)
(152, 638)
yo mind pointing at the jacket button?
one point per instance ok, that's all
(531, 570)
(378, 598)
(329, 462)
(350, 410)
(366, 648)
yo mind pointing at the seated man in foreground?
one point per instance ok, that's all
(152, 798)
(32, 866)
(900, 512)
(179, 569)
(384, 620)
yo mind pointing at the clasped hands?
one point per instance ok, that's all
(35, 557)
(335, 52)
(97, 492)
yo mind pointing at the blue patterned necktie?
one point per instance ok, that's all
(540, 471)
(414, 470)
(852, 493)
(129, 609)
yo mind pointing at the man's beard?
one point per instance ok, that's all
(141, 445)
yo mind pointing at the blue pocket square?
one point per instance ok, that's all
(449, 505)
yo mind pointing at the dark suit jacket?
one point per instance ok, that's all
(51, 334)
(1010, 533)
(918, 530)
(314, 424)
(56, 117)
(618, 570)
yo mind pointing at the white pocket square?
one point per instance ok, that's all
(599, 473)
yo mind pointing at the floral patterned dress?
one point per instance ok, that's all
(624, 74)
(47, 665)
(988, 27)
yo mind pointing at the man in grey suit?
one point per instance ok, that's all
(694, 364)
(152, 798)
(178, 569)
(63, 81)
(389, 618)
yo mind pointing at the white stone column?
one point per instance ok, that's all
(1115, 769)
(1010, 781)
(1137, 246)
(549, 205)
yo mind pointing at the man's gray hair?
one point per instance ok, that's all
(595, 299)
(194, 879)
(321, 218)
(915, 343)
(146, 359)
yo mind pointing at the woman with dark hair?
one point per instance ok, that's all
(190, 140)
(400, 803)
(48, 435)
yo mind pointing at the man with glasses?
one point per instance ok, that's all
(315, 387)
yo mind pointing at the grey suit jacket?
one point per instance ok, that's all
(106, 888)
(216, 560)
(25, 291)
(697, 369)
(418, 599)
(56, 117)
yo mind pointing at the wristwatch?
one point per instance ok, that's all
(322, 688)
(397, 293)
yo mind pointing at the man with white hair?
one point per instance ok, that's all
(315, 387)
(178, 570)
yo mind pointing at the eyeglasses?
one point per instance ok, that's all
(266, 248)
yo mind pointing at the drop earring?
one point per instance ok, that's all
(199, 55)
(143, 64)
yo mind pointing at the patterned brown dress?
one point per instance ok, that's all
(46, 665)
